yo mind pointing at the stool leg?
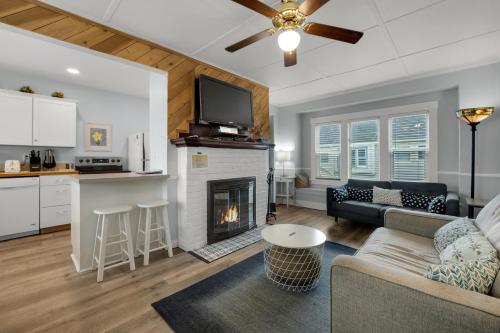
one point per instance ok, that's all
(102, 249)
(130, 251)
(121, 229)
(137, 239)
(94, 253)
(147, 237)
(166, 223)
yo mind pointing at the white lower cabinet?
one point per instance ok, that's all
(55, 201)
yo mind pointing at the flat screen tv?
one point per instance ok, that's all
(224, 104)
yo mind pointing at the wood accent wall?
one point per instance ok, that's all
(182, 70)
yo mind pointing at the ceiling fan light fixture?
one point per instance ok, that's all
(289, 40)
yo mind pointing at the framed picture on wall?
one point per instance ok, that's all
(97, 137)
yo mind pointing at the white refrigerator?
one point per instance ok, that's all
(138, 153)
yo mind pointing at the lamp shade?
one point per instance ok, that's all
(283, 155)
(475, 115)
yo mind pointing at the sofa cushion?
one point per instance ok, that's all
(360, 194)
(452, 231)
(416, 200)
(469, 247)
(340, 194)
(437, 205)
(432, 189)
(387, 197)
(400, 250)
(364, 208)
(488, 221)
(476, 275)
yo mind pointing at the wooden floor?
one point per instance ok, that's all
(41, 292)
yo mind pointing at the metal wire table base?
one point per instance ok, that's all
(295, 270)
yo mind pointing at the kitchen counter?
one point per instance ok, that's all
(116, 177)
(38, 173)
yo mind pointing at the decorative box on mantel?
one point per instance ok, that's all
(201, 163)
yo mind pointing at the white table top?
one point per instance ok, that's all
(293, 236)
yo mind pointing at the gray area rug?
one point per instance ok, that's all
(242, 299)
(215, 251)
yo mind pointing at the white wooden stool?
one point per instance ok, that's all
(158, 227)
(105, 216)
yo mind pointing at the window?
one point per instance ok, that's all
(364, 146)
(327, 150)
(409, 145)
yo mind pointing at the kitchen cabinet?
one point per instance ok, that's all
(16, 118)
(55, 201)
(54, 122)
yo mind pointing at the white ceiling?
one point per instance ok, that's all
(36, 55)
(403, 39)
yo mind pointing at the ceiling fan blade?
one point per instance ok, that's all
(250, 40)
(328, 31)
(291, 58)
(259, 7)
(308, 7)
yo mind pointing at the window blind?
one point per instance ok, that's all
(364, 162)
(327, 148)
(409, 143)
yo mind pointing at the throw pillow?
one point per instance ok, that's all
(416, 200)
(476, 275)
(452, 231)
(437, 205)
(387, 197)
(340, 194)
(360, 194)
(469, 247)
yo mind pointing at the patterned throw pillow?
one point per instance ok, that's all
(452, 231)
(416, 200)
(466, 248)
(387, 197)
(340, 194)
(437, 205)
(476, 275)
(360, 194)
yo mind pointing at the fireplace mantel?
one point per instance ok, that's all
(219, 143)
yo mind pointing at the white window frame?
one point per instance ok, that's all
(383, 115)
(314, 152)
(349, 143)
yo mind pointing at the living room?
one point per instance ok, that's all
(244, 166)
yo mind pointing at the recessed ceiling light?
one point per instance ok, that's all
(73, 71)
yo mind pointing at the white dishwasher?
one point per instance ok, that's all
(19, 207)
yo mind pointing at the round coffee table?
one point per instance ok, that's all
(293, 255)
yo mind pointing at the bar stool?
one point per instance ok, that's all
(105, 216)
(158, 227)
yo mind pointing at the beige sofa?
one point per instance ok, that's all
(382, 287)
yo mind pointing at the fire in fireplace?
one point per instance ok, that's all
(231, 207)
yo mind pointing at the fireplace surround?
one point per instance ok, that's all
(231, 207)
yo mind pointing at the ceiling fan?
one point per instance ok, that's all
(287, 19)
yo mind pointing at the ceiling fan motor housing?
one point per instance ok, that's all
(289, 16)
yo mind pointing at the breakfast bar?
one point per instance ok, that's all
(93, 191)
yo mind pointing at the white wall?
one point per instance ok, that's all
(467, 88)
(127, 114)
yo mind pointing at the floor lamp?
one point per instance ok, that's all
(473, 117)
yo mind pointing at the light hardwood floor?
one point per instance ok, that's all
(41, 292)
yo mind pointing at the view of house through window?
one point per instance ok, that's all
(327, 147)
(364, 148)
(409, 144)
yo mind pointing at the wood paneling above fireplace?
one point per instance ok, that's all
(56, 23)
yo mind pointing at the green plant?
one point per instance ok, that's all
(26, 89)
(58, 94)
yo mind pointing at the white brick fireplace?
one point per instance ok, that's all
(223, 163)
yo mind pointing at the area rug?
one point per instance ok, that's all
(212, 252)
(242, 299)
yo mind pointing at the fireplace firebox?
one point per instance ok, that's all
(231, 207)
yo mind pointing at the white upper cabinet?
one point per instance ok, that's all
(54, 122)
(16, 118)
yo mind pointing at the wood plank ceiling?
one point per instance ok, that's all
(182, 70)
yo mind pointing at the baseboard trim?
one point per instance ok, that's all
(310, 204)
(57, 228)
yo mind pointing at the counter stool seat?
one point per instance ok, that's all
(156, 224)
(105, 217)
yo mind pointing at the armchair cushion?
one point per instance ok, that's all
(452, 231)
